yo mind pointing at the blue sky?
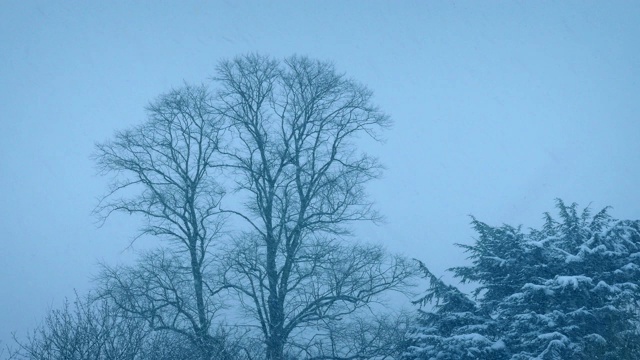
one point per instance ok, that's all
(499, 108)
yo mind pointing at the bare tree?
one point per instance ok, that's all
(381, 335)
(159, 289)
(281, 136)
(90, 329)
(297, 167)
(8, 353)
(165, 170)
(169, 345)
(330, 282)
(85, 330)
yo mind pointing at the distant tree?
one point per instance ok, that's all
(567, 291)
(7, 353)
(169, 345)
(90, 329)
(381, 336)
(85, 330)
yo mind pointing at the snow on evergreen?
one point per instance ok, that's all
(569, 290)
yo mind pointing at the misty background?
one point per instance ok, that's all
(499, 107)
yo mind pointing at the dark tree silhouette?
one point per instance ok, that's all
(271, 149)
(302, 179)
(165, 170)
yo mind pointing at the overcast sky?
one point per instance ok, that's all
(499, 108)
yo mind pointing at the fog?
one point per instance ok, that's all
(498, 109)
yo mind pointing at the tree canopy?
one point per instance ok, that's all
(254, 180)
(569, 290)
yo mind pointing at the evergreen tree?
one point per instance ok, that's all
(455, 328)
(567, 291)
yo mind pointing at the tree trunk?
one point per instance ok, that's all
(275, 337)
(202, 331)
(275, 346)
